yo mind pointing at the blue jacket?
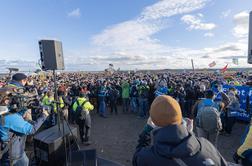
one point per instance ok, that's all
(14, 123)
(171, 142)
(161, 91)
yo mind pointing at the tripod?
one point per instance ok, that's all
(61, 119)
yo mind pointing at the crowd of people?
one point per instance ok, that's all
(172, 103)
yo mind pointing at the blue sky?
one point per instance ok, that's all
(142, 34)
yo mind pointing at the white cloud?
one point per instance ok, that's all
(241, 21)
(167, 8)
(132, 44)
(74, 13)
(195, 22)
(135, 37)
(226, 13)
(209, 34)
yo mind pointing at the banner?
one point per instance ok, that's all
(245, 96)
(212, 64)
(243, 93)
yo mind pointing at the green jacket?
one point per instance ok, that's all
(125, 90)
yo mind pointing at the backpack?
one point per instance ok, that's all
(208, 118)
(80, 113)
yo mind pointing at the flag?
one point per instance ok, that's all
(212, 64)
(224, 69)
(235, 61)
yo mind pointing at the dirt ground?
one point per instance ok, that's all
(115, 137)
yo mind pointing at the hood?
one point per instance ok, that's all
(175, 141)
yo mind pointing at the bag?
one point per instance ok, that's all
(208, 118)
(80, 113)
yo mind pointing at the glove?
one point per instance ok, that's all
(236, 158)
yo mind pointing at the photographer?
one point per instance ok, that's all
(14, 127)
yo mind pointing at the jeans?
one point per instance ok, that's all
(133, 104)
(23, 161)
(102, 107)
(143, 104)
(125, 104)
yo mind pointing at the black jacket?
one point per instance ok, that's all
(175, 141)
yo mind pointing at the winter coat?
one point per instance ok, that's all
(175, 142)
(125, 90)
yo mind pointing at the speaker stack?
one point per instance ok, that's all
(51, 55)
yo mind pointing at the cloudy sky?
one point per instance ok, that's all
(142, 34)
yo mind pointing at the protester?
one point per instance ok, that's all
(143, 91)
(172, 143)
(82, 117)
(113, 95)
(244, 152)
(208, 122)
(102, 94)
(133, 97)
(125, 96)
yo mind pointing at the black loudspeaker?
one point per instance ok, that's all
(51, 55)
(49, 146)
(88, 158)
(83, 158)
(250, 39)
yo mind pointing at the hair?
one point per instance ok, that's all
(209, 94)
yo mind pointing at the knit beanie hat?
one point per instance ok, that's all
(165, 111)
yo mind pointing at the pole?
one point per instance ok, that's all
(192, 65)
(56, 98)
(250, 39)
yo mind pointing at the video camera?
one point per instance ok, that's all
(20, 100)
